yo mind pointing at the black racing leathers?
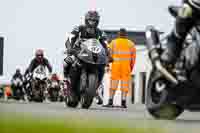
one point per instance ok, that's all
(84, 32)
(18, 75)
(34, 63)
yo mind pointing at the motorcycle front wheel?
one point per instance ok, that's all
(71, 100)
(157, 99)
(90, 92)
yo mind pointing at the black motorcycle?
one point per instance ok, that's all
(84, 73)
(27, 85)
(173, 89)
(1, 92)
(17, 87)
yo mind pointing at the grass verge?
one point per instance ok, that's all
(12, 123)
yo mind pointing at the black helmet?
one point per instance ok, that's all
(92, 19)
(18, 71)
(195, 3)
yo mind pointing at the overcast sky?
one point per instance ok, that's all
(30, 24)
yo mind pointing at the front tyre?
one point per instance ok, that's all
(54, 95)
(157, 99)
(71, 100)
(166, 112)
(90, 92)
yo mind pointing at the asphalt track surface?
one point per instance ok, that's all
(135, 115)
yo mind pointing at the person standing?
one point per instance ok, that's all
(123, 53)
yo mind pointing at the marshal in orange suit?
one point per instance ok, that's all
(123, 53)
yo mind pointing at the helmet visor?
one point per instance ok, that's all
(92, 22)
(39, 56)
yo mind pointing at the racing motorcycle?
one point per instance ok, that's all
(27, 85)
(18, 90)
(39, 84)
(53, 90)
(84, 73)
(1, 92)
(173, 89)
(64, 84)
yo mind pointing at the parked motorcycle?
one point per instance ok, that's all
(84, 73)
(39, 84)
(173, 89)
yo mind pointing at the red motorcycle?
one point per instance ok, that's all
(54, 88)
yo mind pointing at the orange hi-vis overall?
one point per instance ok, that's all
(123, 52)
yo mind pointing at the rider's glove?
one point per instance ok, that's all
(69, 59)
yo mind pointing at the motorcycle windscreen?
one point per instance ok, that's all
(17, 82)
(40, 73)
(92, 52)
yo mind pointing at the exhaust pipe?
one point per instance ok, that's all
(153, 42)
(170, 77)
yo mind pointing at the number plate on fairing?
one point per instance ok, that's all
(95, 49)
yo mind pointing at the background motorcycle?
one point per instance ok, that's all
(84, 73)
(63, 90)
(39, 84)
(173, 89)
(27, 85)
(17, 89)
(1, 92)
(53, 90)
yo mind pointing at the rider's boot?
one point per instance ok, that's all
(124, 104)
(100, 101)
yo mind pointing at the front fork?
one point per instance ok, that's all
(83, 80)
(44, 89)
(153, 44)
